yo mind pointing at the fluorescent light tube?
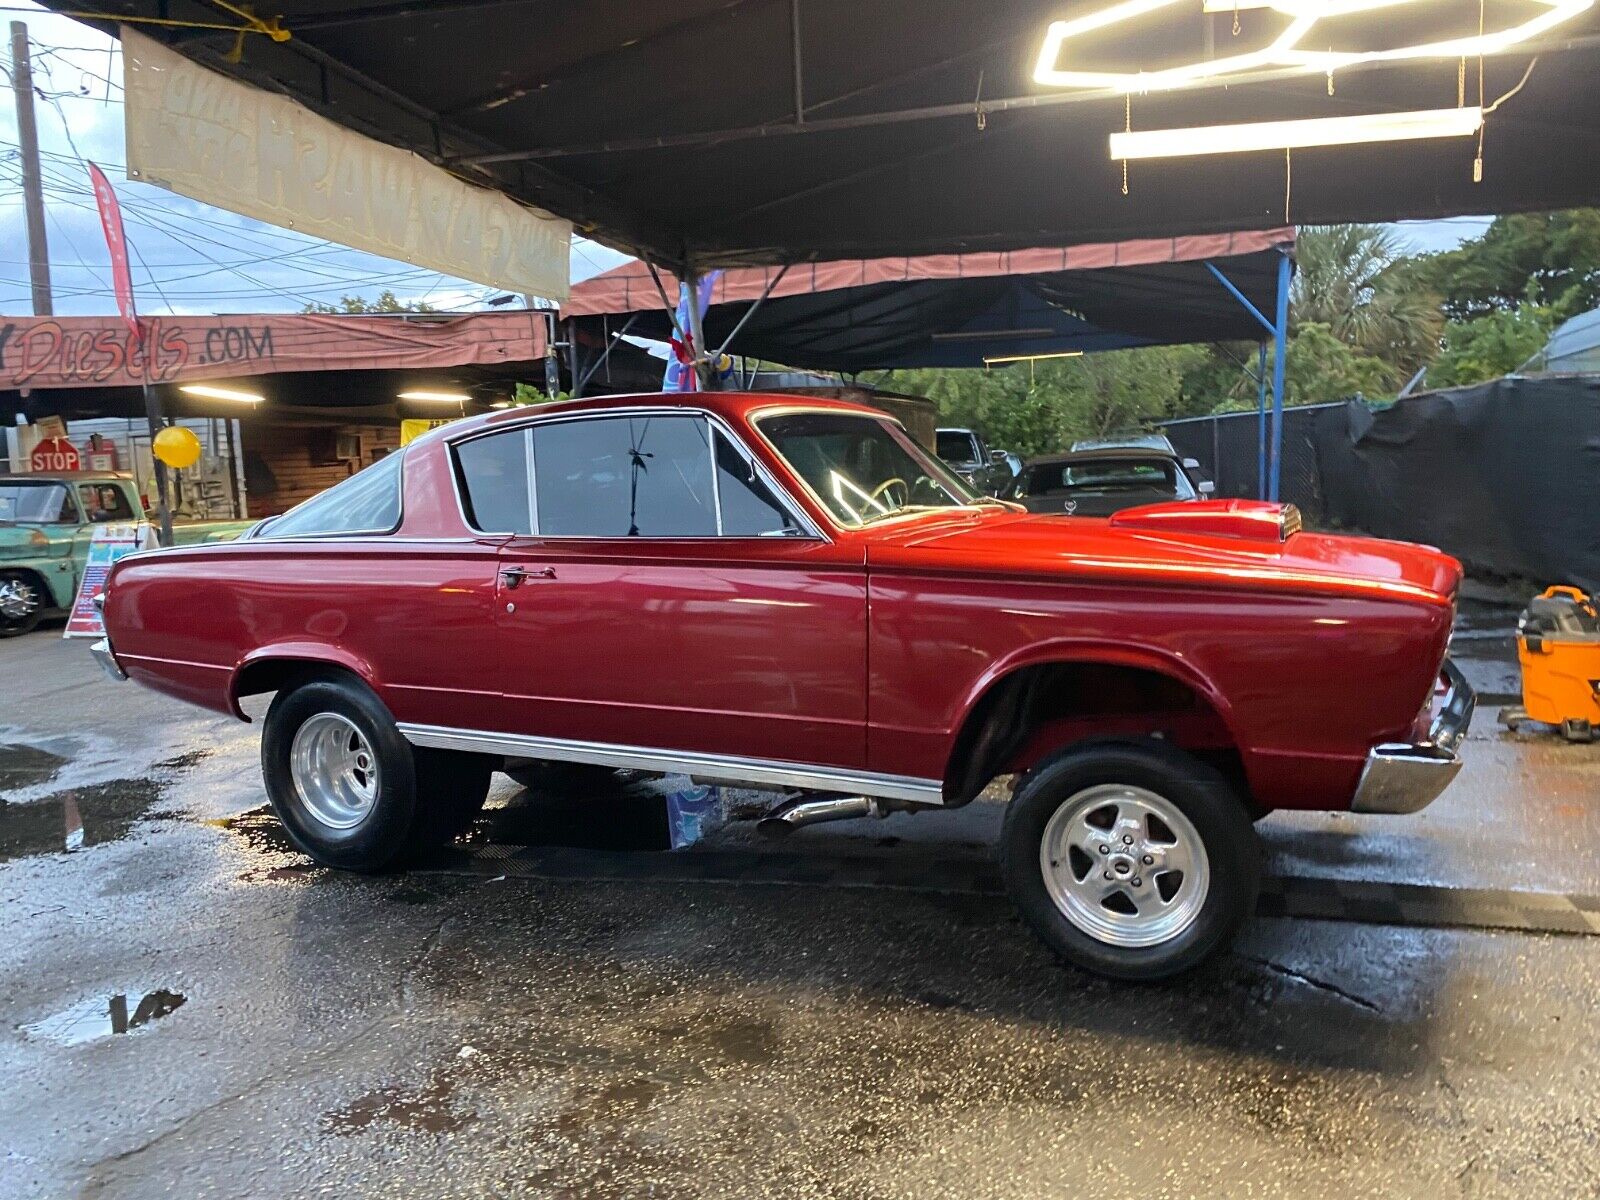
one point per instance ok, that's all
(441, 397)
(991, 360)
(217, 393)
(1282, 135)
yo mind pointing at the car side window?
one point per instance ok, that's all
(749, 507)
(634, 476)
(104, 502)
(494, 482)
(367, 502)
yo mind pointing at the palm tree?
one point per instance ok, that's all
(1356, 280)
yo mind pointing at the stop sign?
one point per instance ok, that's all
(55, 454)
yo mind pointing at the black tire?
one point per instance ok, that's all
(25, 589)
(420, 798)
(1199, 793)
(565, 778)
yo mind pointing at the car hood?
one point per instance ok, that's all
(1121, 549)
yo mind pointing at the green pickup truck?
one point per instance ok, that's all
(46, 522)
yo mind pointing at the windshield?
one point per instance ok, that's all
(1159, 476)
(862, 469)
(954, 446)
(36, 503)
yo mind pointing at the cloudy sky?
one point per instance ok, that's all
(189, 257)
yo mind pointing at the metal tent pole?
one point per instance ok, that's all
(1267, 476)
(1280, 339)
(704, 368)
(611, 340)
(1261, 420)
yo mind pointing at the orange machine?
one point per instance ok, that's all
(1558, 645)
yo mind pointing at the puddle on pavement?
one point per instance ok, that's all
(259, 829)
(104, 1016)
(426, 1109)
(72, 820)
(275, 857)
(23, 766)
(182, 762)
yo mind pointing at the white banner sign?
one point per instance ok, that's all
(265, 156)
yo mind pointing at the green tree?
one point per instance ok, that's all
(1547, 258)
(1492, 344)
(386, 302)
(1032, 408)
(527, 395)
(1356, 282)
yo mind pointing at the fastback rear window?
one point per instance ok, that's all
(367, 502)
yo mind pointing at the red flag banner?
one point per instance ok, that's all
(111, 222)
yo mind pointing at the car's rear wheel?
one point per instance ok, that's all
(350, 790)
(1132, 860)
(21, 603)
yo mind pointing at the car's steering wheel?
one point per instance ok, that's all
(883, 488)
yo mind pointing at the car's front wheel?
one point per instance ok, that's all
(1133, 860)
(21, 603)
(350, 790)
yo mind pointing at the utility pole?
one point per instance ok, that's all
(32, 189)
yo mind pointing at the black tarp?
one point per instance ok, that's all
(1504, 475)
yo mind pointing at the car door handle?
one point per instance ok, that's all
(513, 576)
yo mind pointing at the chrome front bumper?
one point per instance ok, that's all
(1405, 778)
(108, 661)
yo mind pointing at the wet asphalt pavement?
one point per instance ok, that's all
(188, 1009)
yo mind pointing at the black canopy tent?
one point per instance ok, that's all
(967, 310)
(715, 132)
(962, 310)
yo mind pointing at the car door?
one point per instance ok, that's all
(668, 597)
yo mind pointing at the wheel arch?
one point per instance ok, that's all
(1017, 700)
(271, 668)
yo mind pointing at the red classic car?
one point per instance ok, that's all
(790, 593)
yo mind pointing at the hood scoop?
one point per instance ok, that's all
(1252, 520)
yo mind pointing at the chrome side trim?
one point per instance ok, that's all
(723, 768)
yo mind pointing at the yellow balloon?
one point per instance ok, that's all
(177, 447)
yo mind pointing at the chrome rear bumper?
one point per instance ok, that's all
(108, 662)
(1402, 777)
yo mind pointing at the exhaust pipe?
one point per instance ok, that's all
(814, 812)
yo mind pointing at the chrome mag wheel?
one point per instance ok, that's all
(334, 770)
(19, 600)
(1124, 865)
